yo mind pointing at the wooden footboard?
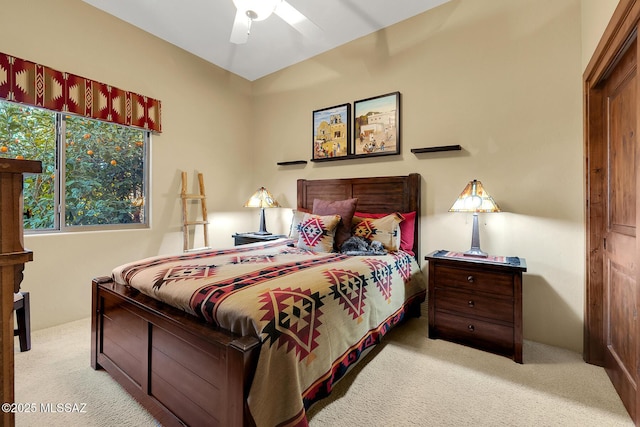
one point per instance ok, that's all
(181, 370)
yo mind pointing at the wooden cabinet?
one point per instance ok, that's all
(477, 302)
(244, 238)
(13, 256)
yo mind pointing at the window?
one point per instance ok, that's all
(95, 173)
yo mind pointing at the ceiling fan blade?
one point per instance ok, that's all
(240, 30)
(297, 20)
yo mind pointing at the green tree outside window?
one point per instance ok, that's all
(94, 172)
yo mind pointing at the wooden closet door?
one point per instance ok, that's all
(619, 94)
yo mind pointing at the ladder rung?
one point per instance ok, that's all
(197, 249)
(193, 196)
(196, 222)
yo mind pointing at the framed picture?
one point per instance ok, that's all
(376, 125)
(331, 133)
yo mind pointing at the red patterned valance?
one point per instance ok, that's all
(34, 84)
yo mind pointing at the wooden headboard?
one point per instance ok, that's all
(375, 195)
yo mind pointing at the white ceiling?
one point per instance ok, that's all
(203, 27)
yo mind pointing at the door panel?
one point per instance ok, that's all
(621, 115)
(619, 243)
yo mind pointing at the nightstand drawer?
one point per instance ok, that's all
(477, 280)
(486, 335)
(476, 305)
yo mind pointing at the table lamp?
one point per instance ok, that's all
(475, 199)
(262, 199)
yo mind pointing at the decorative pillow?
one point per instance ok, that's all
(344, 208)
(385, 230)
(407, 228)
(298, 214)
(316, 232)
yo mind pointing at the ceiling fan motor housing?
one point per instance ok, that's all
(257, 10)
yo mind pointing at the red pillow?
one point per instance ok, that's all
(407, 228)
(344, 208)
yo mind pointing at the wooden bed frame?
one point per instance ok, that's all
(187, 372)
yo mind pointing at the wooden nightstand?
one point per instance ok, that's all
(477, 302)
(244, 238)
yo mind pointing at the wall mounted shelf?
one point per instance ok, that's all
(293, 162)
(436, 149)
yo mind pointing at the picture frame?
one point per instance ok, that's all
(376, 126)
(331, 137)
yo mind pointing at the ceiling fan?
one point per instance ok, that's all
(259, 10)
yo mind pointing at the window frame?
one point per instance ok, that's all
(61, 188)
(59, 193)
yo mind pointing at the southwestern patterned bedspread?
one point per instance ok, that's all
(313, 312)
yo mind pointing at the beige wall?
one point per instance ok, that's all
(502, 78)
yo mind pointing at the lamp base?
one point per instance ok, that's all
(476, 252)
(263, 225)
(475, 240)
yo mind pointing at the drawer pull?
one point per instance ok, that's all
(470, 279)
(471, 303)
(471, 328)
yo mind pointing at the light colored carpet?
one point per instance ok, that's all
(56, 371)
(411, 381)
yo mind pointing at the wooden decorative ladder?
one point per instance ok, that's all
(186, 223)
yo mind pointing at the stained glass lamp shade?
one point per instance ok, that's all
(262, 199)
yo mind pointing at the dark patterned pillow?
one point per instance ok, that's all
(317, 233)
